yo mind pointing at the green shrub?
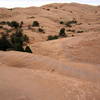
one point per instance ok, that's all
(50, 37)
(4, 43)
(61, 22)
(41, 30)
(80, 31)
(18, 39)
(35, 24)
(14, 24)
(21, 24)
(71, 30)
(26, 38)
(8, 23)
(62, 32)
(2, 22)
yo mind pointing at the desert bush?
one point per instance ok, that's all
(2, 22)
(50, 37)
(14, 24)
(73, 35)
(35, 24)
(21, 24)
(26, 38)
(48, 9)
(27, 49)
(41, 30)
(61, 22)
(62, 32)
(71, 30)
(69, 23)
(18, 39)
(4, 43)
(80, 31)
(8, 23)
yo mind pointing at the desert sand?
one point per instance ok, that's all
(63, 69)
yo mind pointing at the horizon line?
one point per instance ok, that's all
(51, 3)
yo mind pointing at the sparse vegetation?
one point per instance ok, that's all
(21, 24)
(48, 9)
(50, 37)
(80, 31)
(41, 30)
(4, 42)
(61, 22)
(62, 32)
(16, 41)
(71, 30)
(35, 24)
(13, 24)
(69, 23)
(2, 23)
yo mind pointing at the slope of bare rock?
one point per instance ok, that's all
(27, 84)
(82, 48)
(35, 62)
(63, 69)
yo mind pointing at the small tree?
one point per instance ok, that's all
(18, 39)
(27, 49)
